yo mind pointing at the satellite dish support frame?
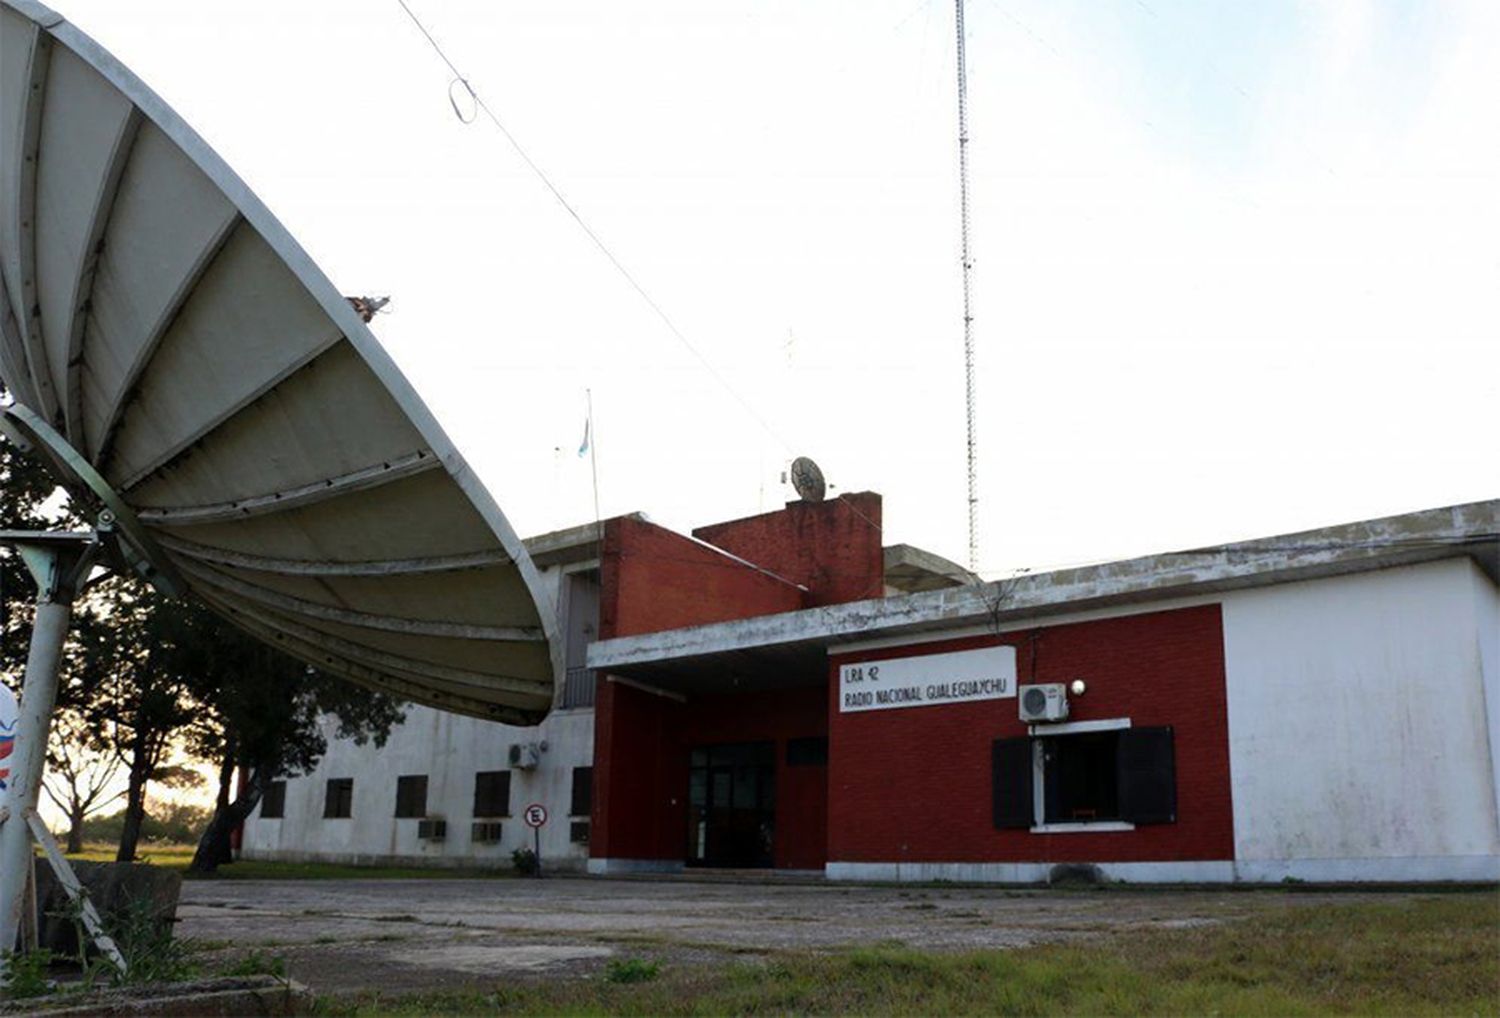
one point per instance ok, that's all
(60, 563)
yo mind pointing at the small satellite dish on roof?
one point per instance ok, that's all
(808, 480)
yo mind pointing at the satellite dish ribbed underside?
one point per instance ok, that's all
(179, 358)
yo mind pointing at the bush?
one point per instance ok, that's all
(526, 862)
(26, 975)
(632, 970)
(166, 823)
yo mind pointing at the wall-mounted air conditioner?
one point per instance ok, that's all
(485, 832)
(432, 830)
(1044, 702)
(524, 756)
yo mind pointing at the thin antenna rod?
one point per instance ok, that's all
(968, 267)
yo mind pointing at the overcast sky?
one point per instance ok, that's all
(1236, 262)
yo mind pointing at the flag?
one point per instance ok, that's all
(9, 719)
(588, 426)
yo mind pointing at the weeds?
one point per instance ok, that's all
(26, 974)
(1431, 956)
(151, 953)
(631, 970)
(257, 963)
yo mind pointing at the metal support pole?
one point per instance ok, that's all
(59, 563)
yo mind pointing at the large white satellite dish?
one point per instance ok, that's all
(183, 364)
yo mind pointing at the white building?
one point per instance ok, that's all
(450, 790)
(1322, 706)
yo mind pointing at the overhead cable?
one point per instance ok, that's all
(483, 107)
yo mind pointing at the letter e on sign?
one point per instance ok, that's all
(535, 815)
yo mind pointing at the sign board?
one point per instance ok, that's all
(535, 815)
(10, 713)
(929, 680)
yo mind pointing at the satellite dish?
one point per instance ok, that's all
(808, 480)
(181, 363)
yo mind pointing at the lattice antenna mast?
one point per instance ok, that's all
(968, 270)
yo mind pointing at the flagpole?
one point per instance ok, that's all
(593, 460)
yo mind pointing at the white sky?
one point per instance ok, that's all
(1236, 263)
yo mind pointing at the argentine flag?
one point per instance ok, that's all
(9, 715)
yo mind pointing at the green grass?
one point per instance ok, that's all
(1428, 956)
(177, 857)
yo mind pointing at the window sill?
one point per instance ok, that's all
(1085, 827)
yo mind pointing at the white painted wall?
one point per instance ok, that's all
(1360, 732)
(449, 749)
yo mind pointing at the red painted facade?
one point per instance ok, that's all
(652, 579)
(832, 548)
(901, 785)
(914, 784)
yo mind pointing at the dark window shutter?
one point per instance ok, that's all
(1011, 776)
(583, 793)
(1148, 776)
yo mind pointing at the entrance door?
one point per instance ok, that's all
(732, 804)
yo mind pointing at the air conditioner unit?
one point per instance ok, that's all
(1045, 702)
(525, 755)
(432, 830)
(485, 832)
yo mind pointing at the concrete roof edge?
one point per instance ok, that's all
(909, 556)
(1471, 530)
(564, 545)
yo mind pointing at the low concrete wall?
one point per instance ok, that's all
(113, 887)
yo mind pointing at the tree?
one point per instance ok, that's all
(135, 681)
(25, 488)
(268, 716)
(80, 771)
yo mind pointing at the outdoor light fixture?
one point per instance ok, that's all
(1078, 687)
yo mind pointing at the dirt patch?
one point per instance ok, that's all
(398, 935)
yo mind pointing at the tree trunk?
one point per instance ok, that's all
(214, 847)
(75, 830)
(135, 802)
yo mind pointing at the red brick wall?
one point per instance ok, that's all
(642, 742)
(637, 776)
(801, 840)
(913, 784)
(652, 579)
(833, 548)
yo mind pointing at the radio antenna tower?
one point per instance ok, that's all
(968, 269)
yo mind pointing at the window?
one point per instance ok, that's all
(1080, 777)
(411, 795)
(492, 794)
(273, 803)
(338, 800)
(583, 793)
(578, 832)
(809, 752)
(581, 628)
(1071, 779)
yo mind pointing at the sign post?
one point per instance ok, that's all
(535, 816)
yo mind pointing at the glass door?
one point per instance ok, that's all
(732, 805)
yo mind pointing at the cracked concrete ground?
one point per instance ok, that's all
(400, 935)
